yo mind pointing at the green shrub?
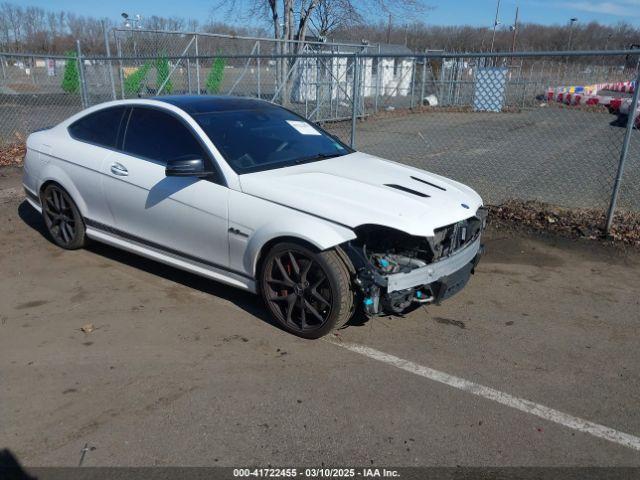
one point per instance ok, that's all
(216, 75)
(71, 77)
(133, 83)
(162, 69)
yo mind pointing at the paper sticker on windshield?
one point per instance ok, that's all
(303, 127)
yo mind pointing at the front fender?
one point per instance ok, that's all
(320, 233)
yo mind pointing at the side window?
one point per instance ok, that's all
(100, 128)
(159, 136)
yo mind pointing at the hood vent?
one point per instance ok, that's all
(430, 184)
(407, 190)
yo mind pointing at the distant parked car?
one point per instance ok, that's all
(250, 194)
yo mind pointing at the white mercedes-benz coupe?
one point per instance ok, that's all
(248, 193)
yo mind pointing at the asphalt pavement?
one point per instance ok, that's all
(534, 363)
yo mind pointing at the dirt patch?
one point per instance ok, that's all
(517, 251)
(584, 108)
(24, 87)
(31, 304)
(573, 223)
(450, 321)
(12, 154)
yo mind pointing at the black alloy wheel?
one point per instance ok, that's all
(307, 292)
(62, 218)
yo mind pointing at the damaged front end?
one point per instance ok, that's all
(394, 270)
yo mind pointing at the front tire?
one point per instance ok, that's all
(62, 218)
(308, 293)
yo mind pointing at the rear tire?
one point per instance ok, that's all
(308, 293)
(62, 218)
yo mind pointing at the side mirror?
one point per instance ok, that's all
(187, 167)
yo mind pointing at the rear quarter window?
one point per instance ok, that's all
(99, 128)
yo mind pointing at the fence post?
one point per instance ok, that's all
(197, 66)
(83, 84)
(623, 154)
(32, 70)
(413, 82)
(354, 100)
(378, 74)
(108, 50)
(424, 79)
(258, 67)
(189, 75)
(318, 62)
(121, 69)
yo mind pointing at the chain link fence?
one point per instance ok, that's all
(498, 124)
(527, 126)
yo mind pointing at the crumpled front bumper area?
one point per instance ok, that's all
(437, 271)
(451, 284)
(429, 284)
(395, 270)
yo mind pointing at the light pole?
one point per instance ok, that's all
(496, 22)
(571, 22)
(514, 29)
(606, 44)
(606, 47)
(133, 24)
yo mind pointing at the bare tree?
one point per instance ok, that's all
(273, 7)
(33, 29)
(333, 14)
(171, 24)
(323, 16)
(14, 16)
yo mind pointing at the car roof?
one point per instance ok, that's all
(196, 104)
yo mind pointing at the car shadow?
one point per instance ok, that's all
(33, 219)
(250, 303)
(10, 467)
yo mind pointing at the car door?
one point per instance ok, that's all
(184, 216)
(95, 137)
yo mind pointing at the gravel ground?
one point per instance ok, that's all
(182, 371)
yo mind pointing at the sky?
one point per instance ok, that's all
(443, 12)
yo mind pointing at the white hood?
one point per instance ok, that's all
(353, 190)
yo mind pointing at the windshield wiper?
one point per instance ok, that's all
(317, 156)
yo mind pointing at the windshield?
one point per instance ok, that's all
(267, 137)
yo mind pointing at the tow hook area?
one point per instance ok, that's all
(477, 259)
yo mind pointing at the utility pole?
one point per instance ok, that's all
(606, 47)
(496, 22)
(389, 30)
(515, 30)
(571, 22)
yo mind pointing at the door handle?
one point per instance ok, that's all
(119, 169)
